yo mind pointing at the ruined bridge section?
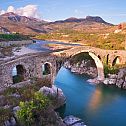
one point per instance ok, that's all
(32, 66)
(46, 65)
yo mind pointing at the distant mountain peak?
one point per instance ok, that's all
(95, 18)
(89, 19)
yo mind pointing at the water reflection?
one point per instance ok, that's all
(95, 100)
(96, 105)
(102, 96)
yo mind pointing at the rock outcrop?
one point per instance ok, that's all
(118, 80)
(55, 93)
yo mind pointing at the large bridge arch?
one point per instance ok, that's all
(98, 63)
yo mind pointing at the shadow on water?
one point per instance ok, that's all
(61, 110)
(97, 105)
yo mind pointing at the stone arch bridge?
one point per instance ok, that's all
(32, 63)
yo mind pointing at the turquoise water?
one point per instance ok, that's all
(96, 105)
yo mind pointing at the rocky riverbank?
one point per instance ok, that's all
(118, 79)
(82, 68)
(58, 99)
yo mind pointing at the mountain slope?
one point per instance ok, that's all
(21, 24)
(88, 24)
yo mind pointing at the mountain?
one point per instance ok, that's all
(87, 19)
(21, 24)
(88, 24)
(25, 25)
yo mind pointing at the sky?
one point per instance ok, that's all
(112, 11)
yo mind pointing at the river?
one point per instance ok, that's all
(96, 105)
(39, 45)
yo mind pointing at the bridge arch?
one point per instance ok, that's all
(117, 60)
(18, 73)
(46, 68)
(98, 63)
(17, 66)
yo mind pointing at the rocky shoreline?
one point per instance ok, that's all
(60, 98)
(82, 69)
(119, 79)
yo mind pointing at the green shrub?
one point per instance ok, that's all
(110, 70)
(30, 112)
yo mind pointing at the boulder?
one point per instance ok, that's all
(119, 83)
(94, 81)
(112, 81)
(106, 81)
(112, 76)
(15, 109)
(73, 121)
(117, 79)
(121, 73)
(10, 122)
(124, 85)
(55, 93)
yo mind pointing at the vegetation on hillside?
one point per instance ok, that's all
(26, 93)
(13, 37)
(112, 41)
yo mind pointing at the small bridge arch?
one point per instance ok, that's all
(18, 73)
(117, 60)
(21, 70)
(46, 68)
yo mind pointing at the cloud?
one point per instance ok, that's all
(11, 9)
(28, 11)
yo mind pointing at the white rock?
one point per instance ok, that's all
(73, 121)
(106, 81)
(112, 76)
(6, 107)
(54, 92)
(69, 120)
(15, 109)
(93, 81)
(11, 122)
(124, 85)
(119, 83)
(112, 81)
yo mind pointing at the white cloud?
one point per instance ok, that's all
(28, 11)
(11, 9)
(2, 12)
